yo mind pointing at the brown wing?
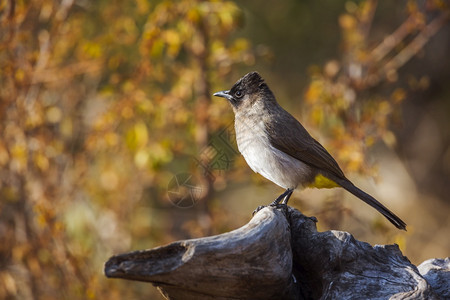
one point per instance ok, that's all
(288, 135)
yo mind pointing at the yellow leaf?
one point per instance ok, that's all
(314, 91)
(19, 75)
(141, 134)
(173, 42)
(347, 21)
(157, 48)
(53, 114)
(41, 161)
(141, 158)
(389, 138)
(111, 139)
(19, 157)
(398, 95)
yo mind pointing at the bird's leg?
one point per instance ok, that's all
(288, 195)
(285, 197)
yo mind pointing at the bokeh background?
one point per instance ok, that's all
(110, 140)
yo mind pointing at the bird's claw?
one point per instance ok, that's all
(257, 209)
(278, 205)
(273, 204)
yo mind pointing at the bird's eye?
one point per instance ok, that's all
(238, 94)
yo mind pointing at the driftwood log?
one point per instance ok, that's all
(280, 255)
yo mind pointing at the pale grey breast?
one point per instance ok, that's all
(262, 157)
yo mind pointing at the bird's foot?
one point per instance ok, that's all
(278, 205)
(257, 209)
(283, 198)
(273, 204)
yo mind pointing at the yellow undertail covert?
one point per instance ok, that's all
(322, 182)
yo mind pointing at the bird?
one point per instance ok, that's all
(278, 147)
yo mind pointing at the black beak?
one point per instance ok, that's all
(223, 94)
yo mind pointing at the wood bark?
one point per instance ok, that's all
(280, 254)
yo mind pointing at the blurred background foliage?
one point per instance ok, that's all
(110, 140)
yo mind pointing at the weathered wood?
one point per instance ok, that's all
(333, 265)
(280, 255)
(437, 273)
(252, 262)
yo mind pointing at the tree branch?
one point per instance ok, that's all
(280, 255)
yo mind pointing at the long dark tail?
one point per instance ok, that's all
(349, 186)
